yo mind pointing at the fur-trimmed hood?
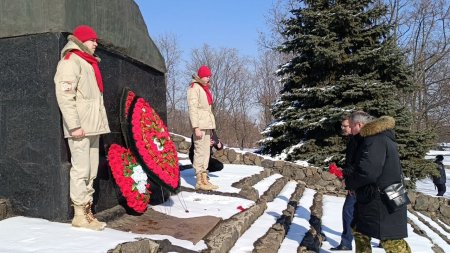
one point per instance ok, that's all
(75, 44)
(377, 126)
(196, 79)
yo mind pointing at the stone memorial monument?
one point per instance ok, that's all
(34, 156)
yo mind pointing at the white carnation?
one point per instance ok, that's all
(139, 175)
(141, 187)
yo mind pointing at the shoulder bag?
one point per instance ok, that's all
(395, 196)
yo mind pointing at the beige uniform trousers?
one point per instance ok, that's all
(201, 152)
(85, 159)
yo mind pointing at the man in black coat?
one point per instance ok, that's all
(377, 165)
(440, 181)
(350, 200)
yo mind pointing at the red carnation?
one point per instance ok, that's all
(120, 160)
(146, 126)
(333, 169)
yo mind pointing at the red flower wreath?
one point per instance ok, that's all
(128, 101)
(155, 149)
(124, 168)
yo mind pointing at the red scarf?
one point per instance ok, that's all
(207, 91)
(93, 61)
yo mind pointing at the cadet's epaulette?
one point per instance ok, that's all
(67, 56)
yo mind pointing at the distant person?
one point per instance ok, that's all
(202, 120)
(376, 166)
(350, 200)
(440, 181)
(214, 164)
(79, 92)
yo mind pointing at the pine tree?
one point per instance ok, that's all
(344, 59)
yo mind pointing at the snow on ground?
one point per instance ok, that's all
(300, 223)
(434, 237)
(224, 178)
(433, 153)
(426, 186)
(332, 227)
(202, 204)
(433, 224)
(42, 236)
(274, 210)
(263, 185)
(27, 235)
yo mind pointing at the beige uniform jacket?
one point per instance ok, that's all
(77, 93)
(200, 112)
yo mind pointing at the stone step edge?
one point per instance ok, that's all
(225, 234)
(271, 241)
(252, 180)
(441, 224)
(145, 245)
(246, 185)
(419, 231)
(314, 236)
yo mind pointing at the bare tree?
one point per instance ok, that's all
(426, 43)
(227, 69)
(178, 121)
(274, 20)
(241, 111)
(234, 96)
(270, 59)
(265, 79)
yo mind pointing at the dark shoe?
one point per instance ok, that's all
(341, 247)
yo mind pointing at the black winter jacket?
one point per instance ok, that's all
(353, 142)
(442, 176)
(376, 166)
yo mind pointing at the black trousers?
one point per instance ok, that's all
(441, 189)
(214, 165)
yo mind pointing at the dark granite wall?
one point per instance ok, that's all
(115, 21)
(34, 158)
